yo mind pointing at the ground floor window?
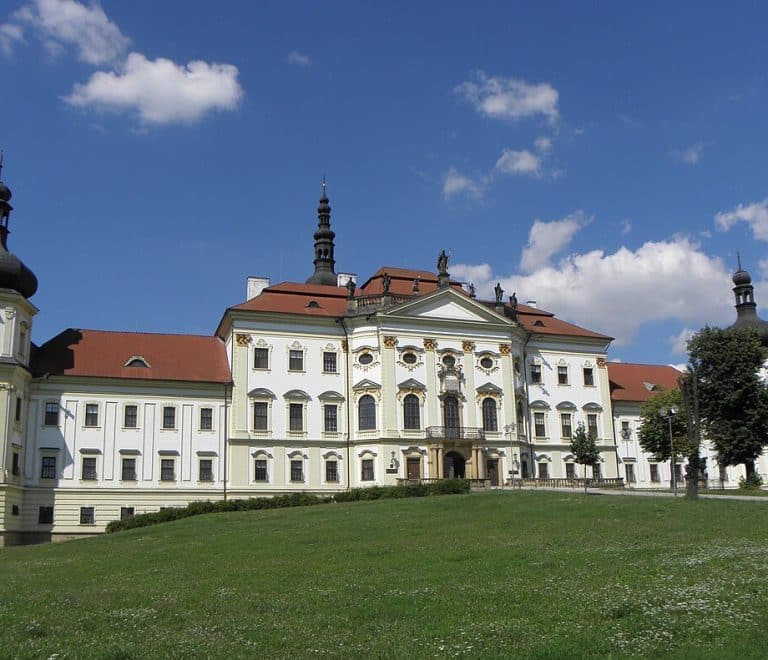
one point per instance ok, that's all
(260, 470)
(206, 469)
(654, 469)
(332, 471)
(367, 470)
(167, 469)
(126, 512)
(570, 470)
(629, 472)
(87, 516)
(45, 515)
(297, 470)
(129, 469)
(678, 472)
(596, 472)
(723, 473)
(543, 471)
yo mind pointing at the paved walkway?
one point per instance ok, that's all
(653, 493)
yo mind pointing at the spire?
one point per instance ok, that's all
(324, 260)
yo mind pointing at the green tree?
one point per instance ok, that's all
(584, 449)
(654, 429)
(732, 398)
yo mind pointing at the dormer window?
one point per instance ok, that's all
(137, 361)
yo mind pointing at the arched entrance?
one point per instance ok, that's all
(455, 466)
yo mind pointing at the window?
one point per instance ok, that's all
(536, 374)
(330, 418)
(51, 414)
(539, 426)
(332, 471)
(366, 413)
(411, 412)
(490, 422)
(261, 358)
(14, 509)
(89, 468)
(626, 433)
(18, 409)
(449, 361)
(365, 359)
(596, 472)
(543, 471)
(169, 417)
(260, 418)
(126, 512)
(297, 470)
(654, 472)
(592, 425)
(91, 414)
(45, 515)
(206, 469)
(137, 362)
(295, 416)
(168, 469)
(260, 470)
(87, 515)
(48, 469)
(723, 473)
(589, 377)
(570, 470)
(566, 429)
(562, 375)
(678, 473)
(296, 360)
(329, 362)
(206, 419)
(486, 362)
(128, 472)
(367, 470)
(410, 358)
(15, 464)
(629, 472)
(130, 416)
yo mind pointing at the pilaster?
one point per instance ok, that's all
(469, 383)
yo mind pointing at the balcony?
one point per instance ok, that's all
(455, 433)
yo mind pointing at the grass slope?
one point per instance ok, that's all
(498, 575)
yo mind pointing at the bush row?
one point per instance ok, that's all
(446, 487)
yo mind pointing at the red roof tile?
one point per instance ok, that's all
(401, 282)
(294, 298)
(98, 353)
(639, 382)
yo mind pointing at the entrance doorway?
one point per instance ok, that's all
(451, 416)
(492, 470)
(413, 466)
(455, 466)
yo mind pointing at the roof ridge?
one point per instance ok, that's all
(141, 332)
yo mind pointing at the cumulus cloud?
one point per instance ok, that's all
(455, 183)
(755, 215)
(542, 144)
(546, 239)
(295, 57)
(617, 293)
(509, 98)
(67, 23)
(161, 91)
(519, 162)
(10, 35)
(680, 341)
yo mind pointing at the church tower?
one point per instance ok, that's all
(746, 307)
(324, 260)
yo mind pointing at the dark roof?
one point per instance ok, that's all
(639, 382)
(104, 354)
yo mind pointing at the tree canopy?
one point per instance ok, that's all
(583, 447)
(654, 429)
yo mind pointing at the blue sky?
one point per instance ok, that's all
(604, 160)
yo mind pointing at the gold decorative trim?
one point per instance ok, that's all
(344, 346)
(504, 349)
(243, 339)
(389, 341)
(468, 346)
(430, 344)
(601, 362)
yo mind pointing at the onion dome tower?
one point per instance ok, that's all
(324, 261)
(746, 308)
(13, 273)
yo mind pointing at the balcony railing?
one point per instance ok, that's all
(569, 483)
(455, 432)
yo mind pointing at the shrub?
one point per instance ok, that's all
(753, 482)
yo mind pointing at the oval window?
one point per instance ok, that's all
(409, 358)
(449, 360)
(365, 358)
(486, 362)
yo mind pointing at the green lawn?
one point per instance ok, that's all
(526, 574)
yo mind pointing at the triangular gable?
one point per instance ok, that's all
(365, 384)
(411, 384)
(447, 304)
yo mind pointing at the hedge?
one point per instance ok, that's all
(445, 487)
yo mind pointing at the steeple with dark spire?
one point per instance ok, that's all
(746, 307)
(13, 273)
(324, 261)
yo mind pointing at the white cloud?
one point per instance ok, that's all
(519, 162)
(161, 91)
(755, 215)
(295, 57)
(617, 293)
(455, 183)
(10, 34)
(543, 144)
(509, 98)
(62, 23)
(692, 154)
(546, 239)
(679, 342)
(626, 226)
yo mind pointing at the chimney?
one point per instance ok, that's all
(531, 303)
(343, 278)
(255, 286)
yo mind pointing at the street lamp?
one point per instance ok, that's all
(668, 414)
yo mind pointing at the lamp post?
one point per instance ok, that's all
(668, 414)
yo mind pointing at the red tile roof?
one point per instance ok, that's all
(639, 382)
(103, 354)
(401, 282)
(294, 298)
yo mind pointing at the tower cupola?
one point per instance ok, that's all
(13, 273)
(324, 261)
(746, 307)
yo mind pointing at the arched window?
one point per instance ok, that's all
(490, 423)
(366, 413)
(411, 412)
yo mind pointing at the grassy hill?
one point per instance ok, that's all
(495, 575)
